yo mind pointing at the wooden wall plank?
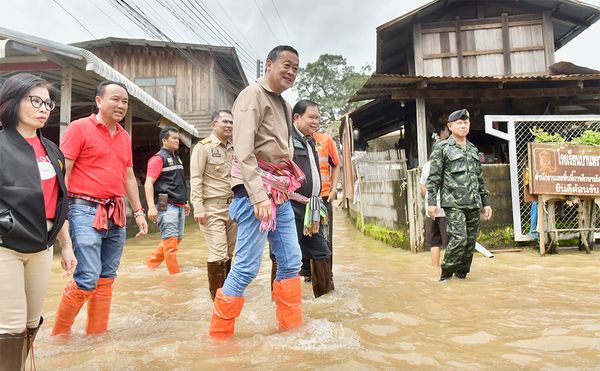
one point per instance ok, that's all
(548, 34)
(506, 40)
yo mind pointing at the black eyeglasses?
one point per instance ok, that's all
(37, 102)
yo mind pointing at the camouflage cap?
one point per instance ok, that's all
(461, 114)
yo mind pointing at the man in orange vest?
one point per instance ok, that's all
(329, 165)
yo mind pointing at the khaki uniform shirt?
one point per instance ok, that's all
(210, 170)
(261, 131)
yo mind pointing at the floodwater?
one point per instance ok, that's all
(515, 311)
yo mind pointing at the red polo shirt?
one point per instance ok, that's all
(101, 161)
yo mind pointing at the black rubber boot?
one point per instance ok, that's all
(446, 274)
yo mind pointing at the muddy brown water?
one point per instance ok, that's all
(515, 311)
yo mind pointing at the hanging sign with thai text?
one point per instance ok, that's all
(564, 169)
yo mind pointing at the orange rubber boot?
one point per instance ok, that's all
(225, 310)
(288, 297)
(170, 248)
(156, 257)
(99, 307)
(70, 304)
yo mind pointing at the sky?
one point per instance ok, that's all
(313, 27)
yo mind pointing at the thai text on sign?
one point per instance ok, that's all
(565, 169)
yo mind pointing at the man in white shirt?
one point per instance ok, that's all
(435, 230)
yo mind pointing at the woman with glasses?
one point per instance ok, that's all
(33, 208)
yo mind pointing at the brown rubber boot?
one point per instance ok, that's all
(31, 334)
(225, 310)
(13, 351)
(227, 267)
(217, 272)
(70, 304)
(322, 279)
(99, 307)
(288, 297)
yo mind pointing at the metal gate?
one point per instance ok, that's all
(516, 130)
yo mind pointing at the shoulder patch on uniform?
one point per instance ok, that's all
(205, 140)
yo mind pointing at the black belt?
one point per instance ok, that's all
(81, 201)
(239, 191)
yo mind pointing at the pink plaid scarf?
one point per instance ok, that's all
(279, 181)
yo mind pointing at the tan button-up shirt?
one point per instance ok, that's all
(210, 170)
(261, 131)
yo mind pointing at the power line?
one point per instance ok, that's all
(266, 22)
(195, 15)
(142, 20)
(109, 17)
(75, 18)
(282, 23)
(236, 27)
(224, 31)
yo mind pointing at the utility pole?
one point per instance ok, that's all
(259, 68)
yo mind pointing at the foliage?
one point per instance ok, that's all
(392, 237)
(589, 137)
(541, 136)
(500, 237)
(330, 82)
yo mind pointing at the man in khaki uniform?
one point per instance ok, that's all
(211, 195)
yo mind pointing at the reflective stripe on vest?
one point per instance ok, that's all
(171, 168)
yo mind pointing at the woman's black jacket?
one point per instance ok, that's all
(23, 225)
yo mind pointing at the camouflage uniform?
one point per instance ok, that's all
(457, 174)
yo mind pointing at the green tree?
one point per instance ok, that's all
(330, 82)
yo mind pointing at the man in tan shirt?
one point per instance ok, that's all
(211, 195)
(260, 205)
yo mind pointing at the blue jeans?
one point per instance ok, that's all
(98, 253)
(171, 222)
(250, 245)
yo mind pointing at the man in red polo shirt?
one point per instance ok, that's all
(99, 173)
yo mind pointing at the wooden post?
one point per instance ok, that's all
(459, 48)
(506, 45)
(65, 99)
(548, 32)
(421, 131)
(128, 120)
(540, 224)
(418, 51)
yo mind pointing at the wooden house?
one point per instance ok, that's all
(491, 57)
(76, 72)
(192, 80)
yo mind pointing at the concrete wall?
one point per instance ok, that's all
(385, 203)
(497, 182)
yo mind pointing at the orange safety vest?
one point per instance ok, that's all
(328, 157)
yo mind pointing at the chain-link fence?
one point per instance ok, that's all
(518, 133)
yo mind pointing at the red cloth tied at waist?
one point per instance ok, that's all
(106, 209)
(280, 180)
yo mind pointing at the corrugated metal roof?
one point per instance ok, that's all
(380, 85)
(98, 66)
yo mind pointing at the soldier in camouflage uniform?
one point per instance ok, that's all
(456, 173)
